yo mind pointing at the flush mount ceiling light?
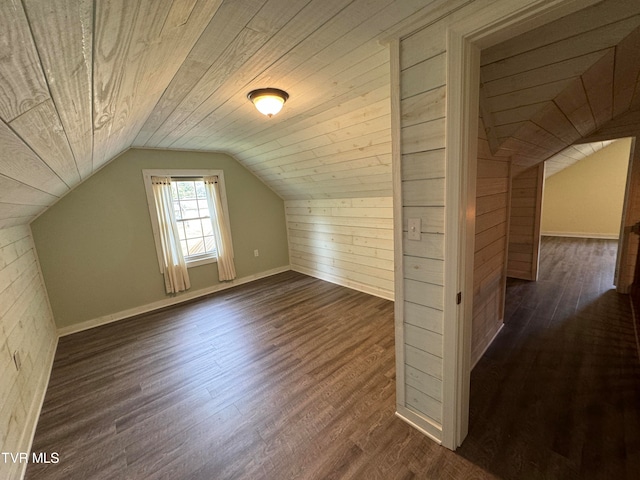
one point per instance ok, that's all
(268, 101)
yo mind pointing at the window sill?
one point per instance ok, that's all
(201, 261)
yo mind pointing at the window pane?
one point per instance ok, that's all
(204, 208)
(192, 217)
(186, 190)
(195, 246)
(207, 228)
(189, 209)
(200, 191)
(181, 234)
(193, 228)
(210, 244)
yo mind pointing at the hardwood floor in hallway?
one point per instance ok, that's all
(293, 378)
(557, 395)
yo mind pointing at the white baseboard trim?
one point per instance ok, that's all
(426, 427)
(114, 317)
(487, 346)
(603, 236)
(343, 282)
(35, 408)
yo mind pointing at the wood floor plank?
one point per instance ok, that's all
(568, 371)
(291, 377)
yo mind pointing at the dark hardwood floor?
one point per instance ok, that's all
(290, 377)
(557, 395)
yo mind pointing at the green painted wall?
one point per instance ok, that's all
(96, 246)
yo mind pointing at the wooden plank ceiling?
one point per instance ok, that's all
(571, 81)
(81, 81)
(572, 155)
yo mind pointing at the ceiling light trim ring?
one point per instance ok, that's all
(268, 101)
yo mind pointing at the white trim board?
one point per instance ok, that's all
(167, 302)
(360, 287)
(398, 233)
(463, 85)
(603, 236)
(420, 423)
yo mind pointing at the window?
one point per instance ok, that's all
(192, 215)
(193, 219)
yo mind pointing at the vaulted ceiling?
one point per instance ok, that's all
(83, 80)
(575, 80)
(571, 155)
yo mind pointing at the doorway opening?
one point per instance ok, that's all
(529, 375)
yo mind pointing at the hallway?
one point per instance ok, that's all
(557, 395)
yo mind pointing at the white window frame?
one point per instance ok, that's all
(185, 173)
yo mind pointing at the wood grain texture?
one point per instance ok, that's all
(41, 129)
(19, 162)
(175, 74)
(63, 31)
(224, 26)
(627, 263)
(347, 241)
(196, 391)
(547, 88)
(490, 256)
(556, 395)
(422, 98)
(627, 69)
(524, 224)
(603, 13)
(26, 327)
(22, 83)
(130, 41)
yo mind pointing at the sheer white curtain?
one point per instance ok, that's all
(176, 277)
(221, 231)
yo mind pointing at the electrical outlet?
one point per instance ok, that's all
(16, 360)
(256, 253)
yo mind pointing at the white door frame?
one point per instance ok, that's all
(498, 21)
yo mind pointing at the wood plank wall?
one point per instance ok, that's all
(490, 259)
(346, 241)
(422, 100)
(629, 241)
(27, 327)
(538, 73)
(524, 223)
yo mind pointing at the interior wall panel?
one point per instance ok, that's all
(524, 224)
(490, 257)
(422, 98)
(347, 241)
(630, 241)
(27, 332)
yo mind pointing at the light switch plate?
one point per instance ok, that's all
(414, 228)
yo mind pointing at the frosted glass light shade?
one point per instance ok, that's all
(268, 101)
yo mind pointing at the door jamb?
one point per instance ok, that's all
(464, 42)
